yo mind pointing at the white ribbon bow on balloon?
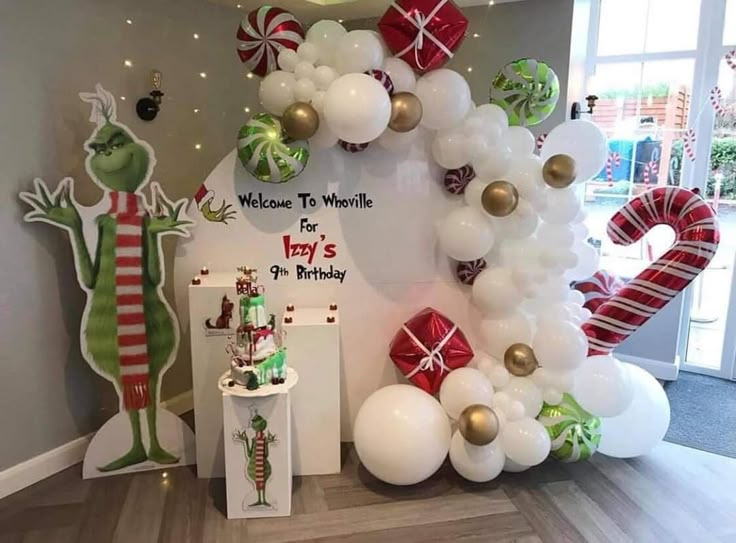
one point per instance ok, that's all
(420, 21)
(432, 357)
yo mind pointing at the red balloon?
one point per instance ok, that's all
(428, 347)
(599, 288)
(263, 33)
(424, 33)
(696, 241)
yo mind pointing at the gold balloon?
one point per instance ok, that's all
(500, 198)
(300, 121)
(519, 359)
(406, 112)
(478, 424)
(559, 171)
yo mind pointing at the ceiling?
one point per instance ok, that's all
(309, 11)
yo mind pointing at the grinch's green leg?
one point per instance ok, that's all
(137, 453)
(155, 451)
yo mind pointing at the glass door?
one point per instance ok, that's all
(710, 327)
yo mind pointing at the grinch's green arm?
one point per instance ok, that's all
(152, 264)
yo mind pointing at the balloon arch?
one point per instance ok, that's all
(546, 382)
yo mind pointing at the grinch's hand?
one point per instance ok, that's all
(57, 208)
(220, 215)
(166, 215)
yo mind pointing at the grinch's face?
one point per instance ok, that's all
(119, 163)
(258, 423)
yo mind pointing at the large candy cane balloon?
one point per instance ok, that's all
(696, 241)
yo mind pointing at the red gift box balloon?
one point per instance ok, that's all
(428, 347)
(424, 33)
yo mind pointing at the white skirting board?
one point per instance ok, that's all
(46, 464)
(665, 371)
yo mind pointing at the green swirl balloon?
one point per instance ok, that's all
(267, 154)
(527, 90)
(575, 433)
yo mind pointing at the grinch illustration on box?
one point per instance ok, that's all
(129, 333)
(256, 452)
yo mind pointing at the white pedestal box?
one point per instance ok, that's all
(257, 443)
(209, 360)
(313, 350)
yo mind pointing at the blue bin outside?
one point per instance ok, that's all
(625, 148)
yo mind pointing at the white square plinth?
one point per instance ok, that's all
(313, 350)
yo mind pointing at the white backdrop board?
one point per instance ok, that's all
(384, 249)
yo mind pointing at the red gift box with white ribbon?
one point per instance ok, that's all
(424, 33)
(428, 347)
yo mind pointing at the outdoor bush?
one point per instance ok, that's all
(722, 159)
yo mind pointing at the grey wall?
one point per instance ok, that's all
(49, 51)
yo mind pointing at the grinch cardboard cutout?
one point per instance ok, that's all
(129, 333)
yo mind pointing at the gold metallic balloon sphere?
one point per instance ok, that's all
(478, 424)
(406, 112)
(300, 121)
(500, 198)
(519, 360)
(559, 171)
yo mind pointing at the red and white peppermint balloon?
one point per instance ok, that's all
(383, 78)
(598, 289)
(456, 180)
(263, 33)
(467, 271)
(353, 147)
(696, 241)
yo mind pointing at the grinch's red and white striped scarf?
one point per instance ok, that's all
(260, 461)
(128, 210)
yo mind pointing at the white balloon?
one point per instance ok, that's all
(401, 74)
(318, 101)
(449, 149)
(323, 77)
(583, 141)
(520, 140)
(495, 293)
(559, 345)
(499, 376)
(304, 70)
(643, 425)
(562, 206)
(287, 59)
(588, 263)
(357, 52)
(417, 429)
(474, 191)
(525, 391)
(484, 363)
(325, 35)
(276, 92)
(357, 108)
(552, 396)
(397, 141)
(603, 386)
(465, 234)
(479, 125)
(556, 235)
(323, 138)
(304, 90)
(491, 114)
(576, 297)
(512, 467)
(445, 98)
(476, 146)
(521, 224)
(499, 334)
(494, 164)
(463, 387)
(308, 52)
(474, 463)
(525, 441)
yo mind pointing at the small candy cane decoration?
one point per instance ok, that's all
(715, 100)
(688, 140)
(540, 141)
(614, 159)
(652, 168)
(731, 59)
(696, 241)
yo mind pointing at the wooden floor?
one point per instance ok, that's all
(675, 494)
